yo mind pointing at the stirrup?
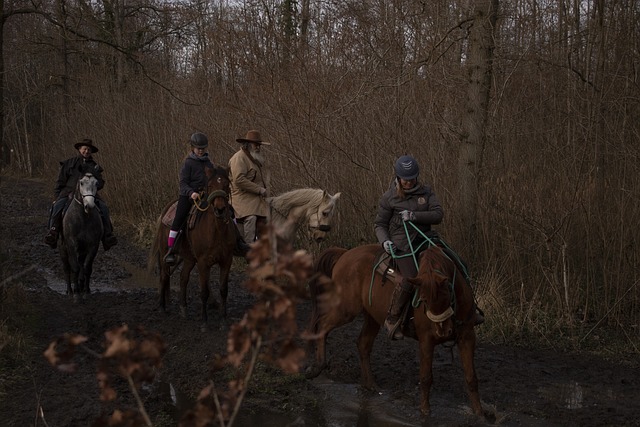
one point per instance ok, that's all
(170, 257)
(393, 329)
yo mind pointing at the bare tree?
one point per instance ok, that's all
(474, 119)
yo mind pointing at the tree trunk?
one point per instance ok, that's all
(474, 119)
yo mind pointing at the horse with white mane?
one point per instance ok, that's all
(314, 207)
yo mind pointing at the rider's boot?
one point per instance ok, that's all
(170, 256)
(242, 248)
(108, 239)
(401, 295)
(51, 238)
(478, 317)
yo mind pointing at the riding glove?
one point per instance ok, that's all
(389, 247)
(408, 215)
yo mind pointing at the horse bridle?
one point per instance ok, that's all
(450, 311)
(213, 195)
(321, 227)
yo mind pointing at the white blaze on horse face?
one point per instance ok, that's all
(88, 186)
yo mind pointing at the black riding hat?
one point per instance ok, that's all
(199, 140)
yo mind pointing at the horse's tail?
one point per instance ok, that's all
(153, 258)
(322, 270)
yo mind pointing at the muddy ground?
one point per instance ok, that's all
(518, 386)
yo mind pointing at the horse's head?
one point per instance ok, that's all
(218, 190)
(436, 289)
(320, 217)
(86, 190)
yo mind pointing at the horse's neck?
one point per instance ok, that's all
(289, 222)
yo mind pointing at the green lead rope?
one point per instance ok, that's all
(415, 302)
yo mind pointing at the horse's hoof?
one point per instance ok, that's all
(204, 328)
(183, 312)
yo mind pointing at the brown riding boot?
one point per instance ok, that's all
(401, 295)
(51, 238)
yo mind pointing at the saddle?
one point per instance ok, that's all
(385, 266)
(192, 218)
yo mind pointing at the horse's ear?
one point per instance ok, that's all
(336, 196)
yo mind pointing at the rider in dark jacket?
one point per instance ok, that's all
(406, 200)
(70, 171)
(193, 179)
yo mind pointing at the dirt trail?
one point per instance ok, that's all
(521, 387)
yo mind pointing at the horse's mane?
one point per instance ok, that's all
(283, 203)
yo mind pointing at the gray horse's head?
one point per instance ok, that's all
(86, 191)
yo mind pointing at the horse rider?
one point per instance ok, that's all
(70, 171)
(192, 180)
(249, 185)
(407, 200)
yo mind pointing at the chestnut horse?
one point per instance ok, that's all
(210, 241)
(443, 311)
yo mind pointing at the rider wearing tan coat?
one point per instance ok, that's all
(249, 185)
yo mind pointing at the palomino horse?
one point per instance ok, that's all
(210, 241)
(80, 237)
(444, 311)
(295, 209)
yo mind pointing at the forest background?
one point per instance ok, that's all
(524, 115)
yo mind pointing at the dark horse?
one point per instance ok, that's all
(81, 235)
(443, 311)
(210, 241)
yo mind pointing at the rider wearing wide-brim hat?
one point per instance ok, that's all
(249, 185)
(71, 170)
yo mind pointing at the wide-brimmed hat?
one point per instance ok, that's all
(88, 143)
(253, 136)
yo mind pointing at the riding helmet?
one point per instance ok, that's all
(407, 168)
(199, 140)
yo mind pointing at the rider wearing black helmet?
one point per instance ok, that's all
(406, 200)
(193, 179)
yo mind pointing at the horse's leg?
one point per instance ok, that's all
(165, 282)
(75, 272)
(426, 374)
(320, 363)
(187, 266)
(225, 269)
(82, 259)
(467, 347)
(367, 336)
(204, 273)
(66, 267)
(88, 269)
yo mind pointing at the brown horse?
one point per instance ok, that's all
(444, 311)
(210, 241)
